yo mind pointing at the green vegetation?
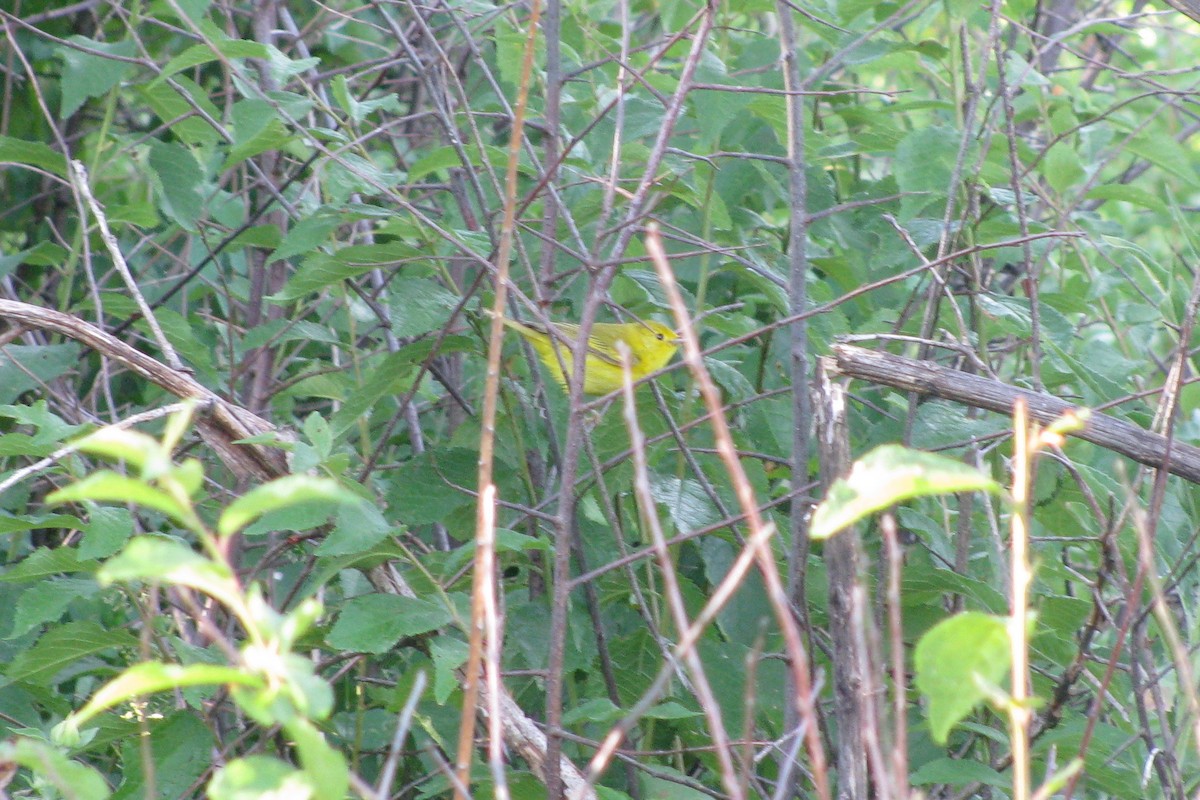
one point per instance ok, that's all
(274, 526)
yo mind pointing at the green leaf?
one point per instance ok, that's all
(44, 562)
(107, 530)
(35, 154)
(672, 710)
(31, 367)
(34, 521)
(426, 489)
(958, 772)
(88, 72)
(256, 129)
(375, 622)
(419, 305)
(108, 486)
(673, 786)
(441, 158)
(133, 447)
(510, 51)
(61, 647)
(152, 558)
(685, 500)
(1128, 194)
(448, 655)
(46, 601)
(325, 767)
(206, 53)
(925, 160)
(305, 236)
(325, 269)
(151, 676)
(957, 663)
(173, 755)
(179, 182)
(888, 475)
(1062, 167)
(180, 113)
(359, 110)
(73, 780)
(257, 777)
(286, 492)
(359, 527)
(597, 710)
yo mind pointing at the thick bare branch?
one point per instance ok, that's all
(928, 378)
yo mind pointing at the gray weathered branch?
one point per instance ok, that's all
(927, 378)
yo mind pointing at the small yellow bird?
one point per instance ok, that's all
(651, 345)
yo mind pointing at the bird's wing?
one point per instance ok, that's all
(599, 350)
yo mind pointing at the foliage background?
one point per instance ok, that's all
(310, 196)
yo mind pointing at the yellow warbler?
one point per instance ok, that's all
(651, 345)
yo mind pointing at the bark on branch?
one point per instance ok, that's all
(219, 423)
(927, 378)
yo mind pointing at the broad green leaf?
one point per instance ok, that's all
(689, 506)
(286, 492)
(31, 367)
(150, 558)
(393, 374)
(956, 663)
(673, 786)
(257, 128)
(74, 781)
(256, 777)
(742, 617)
(305, 236)
(46, 601)
(107, 530)
(91, 68)
(179, 182)
(107, 486)
(44, 562)
(925, 161)
(35, 154)
(324, 766)
(375, 622)
(359, 110)
(179, 113)
(672, 710)
(888, 475)
(63, 646)
(1128, 194)
(325, 269)
(448, 654)
(34, 521)
(439, 159)
(510, 51)
(419, 305)
(150, 677)
(599, 710)
(1062, 168)
(958, 772)
(173, 756)
(132, 447)
(358, 527)
(427, 488)
(210, 51)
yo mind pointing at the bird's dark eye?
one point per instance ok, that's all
(659, 336)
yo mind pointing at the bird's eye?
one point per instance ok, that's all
(659, 336)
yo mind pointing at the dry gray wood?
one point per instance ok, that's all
(220, 424)
(927, 378)
(843, 560)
